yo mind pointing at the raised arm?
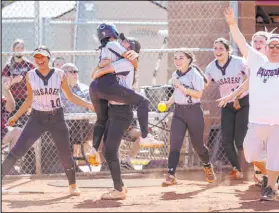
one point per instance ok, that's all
(236, 34)
(72, 97)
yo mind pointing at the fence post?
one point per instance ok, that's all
(38, 156)
(37, 22)
(84, 32)
(234, 6)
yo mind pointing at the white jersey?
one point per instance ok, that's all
(107, 51)
(46, 90)
(263, 89)
(229, 77)
(125, 72)
(191, 79)
(123, 68)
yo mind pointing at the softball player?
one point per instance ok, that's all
(120, 116)
(107, 87)
(189, 83)
(44, 84)
(263, 133)
(258, 42)
(229, 72)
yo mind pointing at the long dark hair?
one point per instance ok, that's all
(226, 44)
(103, 43)
(192, 58)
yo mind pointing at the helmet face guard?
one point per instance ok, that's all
(107, 31)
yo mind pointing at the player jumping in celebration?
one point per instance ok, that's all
(107, 87)
(263, 131)
(43, 88)
(229, 72)
(120, 116)
(189, 83)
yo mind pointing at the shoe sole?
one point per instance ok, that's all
(267, 199)
(75, 194)
(210, 181)
(111, 198)
(166, 185)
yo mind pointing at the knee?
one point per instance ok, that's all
(93, 89)
(239, 147)
(175, 147)
(227, 143)
(144, 101)
(68, 164)
(201, 150)
(110, 154)
(16, 153)
(93, 86)
(101, 122)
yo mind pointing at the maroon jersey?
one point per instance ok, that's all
(19, 90)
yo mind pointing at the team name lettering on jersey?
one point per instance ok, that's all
(270, 73)
(229, 80)
(46, 91)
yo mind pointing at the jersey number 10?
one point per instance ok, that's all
(55, 104)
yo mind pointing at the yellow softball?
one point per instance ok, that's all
(162, 107)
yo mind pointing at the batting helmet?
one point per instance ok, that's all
(134, 44)
(106, 30)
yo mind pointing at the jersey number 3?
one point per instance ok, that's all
(189, 101)
(55, 104)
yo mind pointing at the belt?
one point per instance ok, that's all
(119, 105)
(51, 112)
(187, 105)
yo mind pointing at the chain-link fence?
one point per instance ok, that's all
(69, 30)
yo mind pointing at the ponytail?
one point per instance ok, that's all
(103, 43)
(201, 72)
(135, 79)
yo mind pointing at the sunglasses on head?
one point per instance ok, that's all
(272, 46)
(73, 71)
(42, 48)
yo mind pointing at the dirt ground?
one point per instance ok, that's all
(192, 195)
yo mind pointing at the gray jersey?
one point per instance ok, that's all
(191, 80)
(231, 78)
(108, 54)
(46, 90)
(124, 71)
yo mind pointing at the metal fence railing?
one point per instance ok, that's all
(69, 30)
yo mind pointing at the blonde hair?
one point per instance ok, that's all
(263, 34)
(72, 66)
(16, 42)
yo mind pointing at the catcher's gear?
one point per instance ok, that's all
(106, 30)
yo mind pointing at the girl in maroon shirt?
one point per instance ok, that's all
(18, 65)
